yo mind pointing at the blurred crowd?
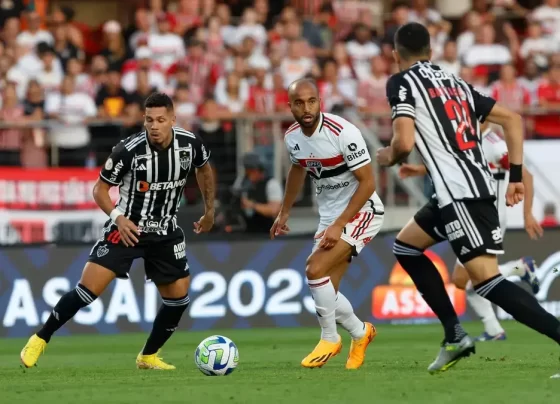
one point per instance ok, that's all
(224, 59)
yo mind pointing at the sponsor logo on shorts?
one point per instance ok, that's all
(143, 186)
(497, 235)
(102, 250)
(153, 226)
(454, 230)
(179, 250)
(329, 187)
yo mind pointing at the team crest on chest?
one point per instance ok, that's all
(314, 166)
(185, 160)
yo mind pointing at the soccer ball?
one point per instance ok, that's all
(216, 356)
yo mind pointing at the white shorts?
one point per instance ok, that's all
(359, 231)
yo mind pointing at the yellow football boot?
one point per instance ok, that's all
(324, 351)
(358, 348)
(32, 350)
(153, 361)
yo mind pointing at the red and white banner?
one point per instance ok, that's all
(48, 205)
(48, 189)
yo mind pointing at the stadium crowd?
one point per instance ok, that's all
(220, 60)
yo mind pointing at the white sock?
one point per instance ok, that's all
(324, 296)
(483, 308)
(344, 315)
(512, 268)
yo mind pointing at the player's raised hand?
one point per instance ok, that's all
(411, 170)
(515, 193)
(204, 225)
(280, 227)
(330, 236)
(127, 230)
(532, 227)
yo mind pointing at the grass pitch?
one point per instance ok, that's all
(101, 369)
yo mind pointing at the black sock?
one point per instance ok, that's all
(65, 309)
(429, 283)
(520, 304)
(165, 323)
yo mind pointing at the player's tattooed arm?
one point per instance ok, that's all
(207, 185)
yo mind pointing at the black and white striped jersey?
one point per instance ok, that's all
(447, 113)
(151, 181)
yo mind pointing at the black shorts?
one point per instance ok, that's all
(472, 227)
(165, 259)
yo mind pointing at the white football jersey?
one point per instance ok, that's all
(496, 152)
(330, 155)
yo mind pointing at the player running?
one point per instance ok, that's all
(440, 114)
(150, 169)
(333, 152)
(495, 151)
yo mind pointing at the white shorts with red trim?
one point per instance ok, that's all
(359, 231)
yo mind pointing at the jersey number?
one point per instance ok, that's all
(457, 112)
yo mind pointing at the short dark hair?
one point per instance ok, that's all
(412, 40)
(157, 100)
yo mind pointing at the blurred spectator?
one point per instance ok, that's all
(535, 44)
(64, 49)
(295, 65)
(114, 48)
(232, 98)
(141, 29)
(144, 61)
(550, 219)
(64, 16)
(34, 34)
(185, 108)
(227, 30)
(531, 80)
(361, 50)
(111, 97)
(261, 195)
(33, 152)
(548, 15)
(48, 77)
(187, 16)
(548, 126)
(509, 91)
(72, 111)
(166, 47)
(11, 139)
(10, 9)
(250, 27)
(335, 93)
(345, 67)
(421, 12)
(135, 102)
(10, 32)
(466, 39)
(213, 36)
(399, 16)
(449, 60)
(486, 56)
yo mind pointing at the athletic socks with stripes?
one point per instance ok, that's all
(430, 284)
(65, 309)
(324, 296)
(165, 323)
(520, 304)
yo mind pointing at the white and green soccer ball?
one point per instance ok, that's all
(216, 356)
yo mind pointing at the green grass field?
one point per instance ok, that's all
(101, 369)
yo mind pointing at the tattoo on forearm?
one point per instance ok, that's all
(208, 190)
